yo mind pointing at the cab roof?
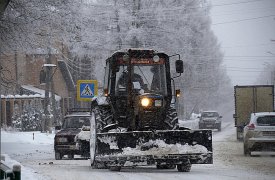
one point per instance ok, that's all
(262, 114)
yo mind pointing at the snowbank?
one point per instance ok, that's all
(161, 148)
(192, 124)
(35, 137)
(26, 173)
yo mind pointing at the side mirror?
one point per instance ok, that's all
(105, 92)
(117, 69)
(178, 92)
(179, 66)
(220, 117)
(57, 127)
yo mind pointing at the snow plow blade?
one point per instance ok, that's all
(154, 147)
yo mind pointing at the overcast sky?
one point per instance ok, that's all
(245, 30)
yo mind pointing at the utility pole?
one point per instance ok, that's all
(47, 120)
(0, 95)
(53, 99)
(46, 123)
(272, 71)
(0, 101)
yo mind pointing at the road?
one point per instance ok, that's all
(229, 162)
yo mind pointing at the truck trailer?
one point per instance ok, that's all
(251, 99)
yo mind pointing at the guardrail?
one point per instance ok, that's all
(8, 173)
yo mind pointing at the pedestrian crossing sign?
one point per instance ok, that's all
(86, 89)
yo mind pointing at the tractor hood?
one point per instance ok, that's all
(152, 95)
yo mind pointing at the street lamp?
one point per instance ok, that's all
(46, 75)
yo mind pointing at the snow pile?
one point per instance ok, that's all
(26, 173)
(39, 91)
(159, 147)
(8, 161)
(34, 137)
(192, 124)
(84, 134)
(109, 140)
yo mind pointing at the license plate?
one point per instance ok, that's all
(63, 140)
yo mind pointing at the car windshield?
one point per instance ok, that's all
(209, 114)
(266, 121)
(146, 77)
(75, 122)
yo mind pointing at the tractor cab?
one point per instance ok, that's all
(138, 85)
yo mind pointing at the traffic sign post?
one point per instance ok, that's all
(86, 89)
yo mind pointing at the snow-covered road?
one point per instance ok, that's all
(37, 159)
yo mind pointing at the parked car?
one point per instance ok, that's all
(259, 133)
(210, 120)
(65, 140)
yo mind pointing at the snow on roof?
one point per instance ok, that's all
(135, 49)
(48, 65)
(9, 96)
(43, 51)
(39, 91)
(263, 114)
(209, 111)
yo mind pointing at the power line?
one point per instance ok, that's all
(229, 4)
(244, 70)
(240, 68)
(251, 56)
(247, 11)
(254, 45)
(240, 20)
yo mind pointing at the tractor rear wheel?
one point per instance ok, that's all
(185, 167)
(115, 168)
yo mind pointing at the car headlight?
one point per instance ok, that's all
(62, 139)
(145, 102)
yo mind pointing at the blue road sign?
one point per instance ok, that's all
(86, 89)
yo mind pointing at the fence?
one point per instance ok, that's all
(7, 173)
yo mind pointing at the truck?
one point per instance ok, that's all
(251, 99)
(134, 122)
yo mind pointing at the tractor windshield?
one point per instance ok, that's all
(146, 77)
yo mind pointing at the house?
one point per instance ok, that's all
(20, 82)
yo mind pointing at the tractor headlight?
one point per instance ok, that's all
(145, 102)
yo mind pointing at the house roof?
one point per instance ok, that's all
(37, 91)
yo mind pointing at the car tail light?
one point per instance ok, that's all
(251, 126)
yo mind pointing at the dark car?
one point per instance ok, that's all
(210, 120)
(64, 140)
